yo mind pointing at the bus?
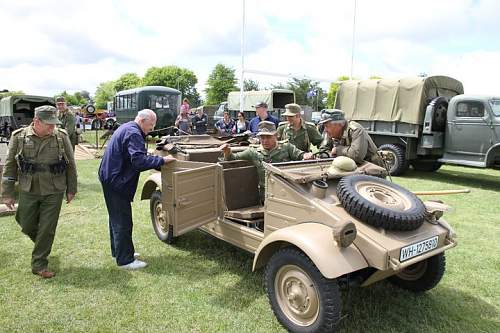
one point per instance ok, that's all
(165, 102)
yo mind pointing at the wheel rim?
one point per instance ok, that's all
(390, 159)
(413, 272)
(297, 295)
(383, 196)
(160, 221)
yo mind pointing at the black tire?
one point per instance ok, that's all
(421, 276)
(96, 124)
(440, 106)
(162, 229)
(109, 124)
(380, 203)
(396, 161)
(90, 109)
(306, 301)
(427, 166)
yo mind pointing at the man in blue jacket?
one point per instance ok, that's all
(125, 157)
(261, 115)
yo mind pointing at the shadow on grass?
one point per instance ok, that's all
(473, 180)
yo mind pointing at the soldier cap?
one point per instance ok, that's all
(292, 109)
(266, 128)
(332, 115)
(60, 99)
(47, 114)
(342, 164)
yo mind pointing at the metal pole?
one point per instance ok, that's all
(242, 76)
(353, 36)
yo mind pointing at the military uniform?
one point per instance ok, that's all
(355, 143)
(304, 136)
(68, 122)
(45, 169)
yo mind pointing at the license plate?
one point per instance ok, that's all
(417, 249)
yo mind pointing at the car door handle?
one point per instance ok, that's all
(183, 202)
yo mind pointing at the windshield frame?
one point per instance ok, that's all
(495, 106)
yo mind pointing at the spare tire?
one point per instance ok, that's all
(90, 109)
(380, 203)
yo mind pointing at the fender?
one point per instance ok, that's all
(150, 185)
(491, 153)
(316, 241)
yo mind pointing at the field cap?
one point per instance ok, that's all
(334, 115)
(266, 128)
(47, 114)
(260, 104)
(342, 164)
(60, 99)
(292, 109)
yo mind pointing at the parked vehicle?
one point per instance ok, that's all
(313, 234)
(425, 121)
(165, 102)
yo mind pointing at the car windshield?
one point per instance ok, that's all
(495, 106)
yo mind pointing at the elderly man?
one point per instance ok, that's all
(347, 138)
(125, 157)
(262, 115)
(298, 132)
(41, 159)
(270, 151)
(68, 120)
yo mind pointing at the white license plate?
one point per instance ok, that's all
(417, 249)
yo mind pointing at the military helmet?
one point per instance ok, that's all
(334, 115)
(342, 164)
(266, 128)
(292, 109)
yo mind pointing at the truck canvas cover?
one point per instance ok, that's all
(275, 99)
(400, 100)
(7, 103)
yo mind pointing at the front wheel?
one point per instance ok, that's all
(422, 276)
(394, 156)
(159, 219)
(302, 299)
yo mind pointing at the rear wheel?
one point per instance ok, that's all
(302, 299)
(428, 166)
(96, 124)
(395, 158)
(422, 276)
(159, 219)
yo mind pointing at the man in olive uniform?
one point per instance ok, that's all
(67, 120)
(347, 138)
(270, 151)
(297, 131)
(41, 159)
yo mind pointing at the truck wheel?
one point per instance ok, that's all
(302, 299)
(162, 229)
(96, 124)
(422, 276)
(440, 106)
(395, 158)
(380, 203)
(90, 109)
(428, 166)
(109, 123)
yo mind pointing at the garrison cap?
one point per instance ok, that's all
(342, 164)
(292, 109)
(266, 128)
(260, 104)
(332, 115)
(60, 99)
(47, 114)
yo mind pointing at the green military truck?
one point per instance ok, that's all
(425, 121)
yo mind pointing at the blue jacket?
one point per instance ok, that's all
(125, 157)
(254, 123)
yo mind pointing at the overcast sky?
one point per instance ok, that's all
(54, 45)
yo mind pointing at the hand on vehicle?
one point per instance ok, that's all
(226, 149)
(9, 202)
(308, 156)
(69, 197)
(334, 152)
(168, 159)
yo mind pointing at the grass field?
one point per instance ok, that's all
(204, 285)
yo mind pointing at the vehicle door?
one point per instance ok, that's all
(469, 133)
(193, 195)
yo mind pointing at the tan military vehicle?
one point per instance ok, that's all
(320, 229)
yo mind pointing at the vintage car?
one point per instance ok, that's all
(318, 230)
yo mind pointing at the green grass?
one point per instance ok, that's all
(204, 285)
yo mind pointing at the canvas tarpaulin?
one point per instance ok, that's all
(270, 97)
(401, 100)
(7, 103)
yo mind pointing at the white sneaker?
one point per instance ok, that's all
(136, 264)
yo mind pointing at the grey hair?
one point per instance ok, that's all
(145, 114)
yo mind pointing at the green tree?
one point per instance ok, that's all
(250, 85)
(220, 82)
(308, 92)
(128, 81)
(332, 92)
(72, 99)
(375, 77)
(104, 93)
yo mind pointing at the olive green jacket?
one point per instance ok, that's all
(44, 152)
(302, 139)
(355, 143)
(284, 152)
(68, 122)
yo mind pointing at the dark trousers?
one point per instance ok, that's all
(120, 226)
